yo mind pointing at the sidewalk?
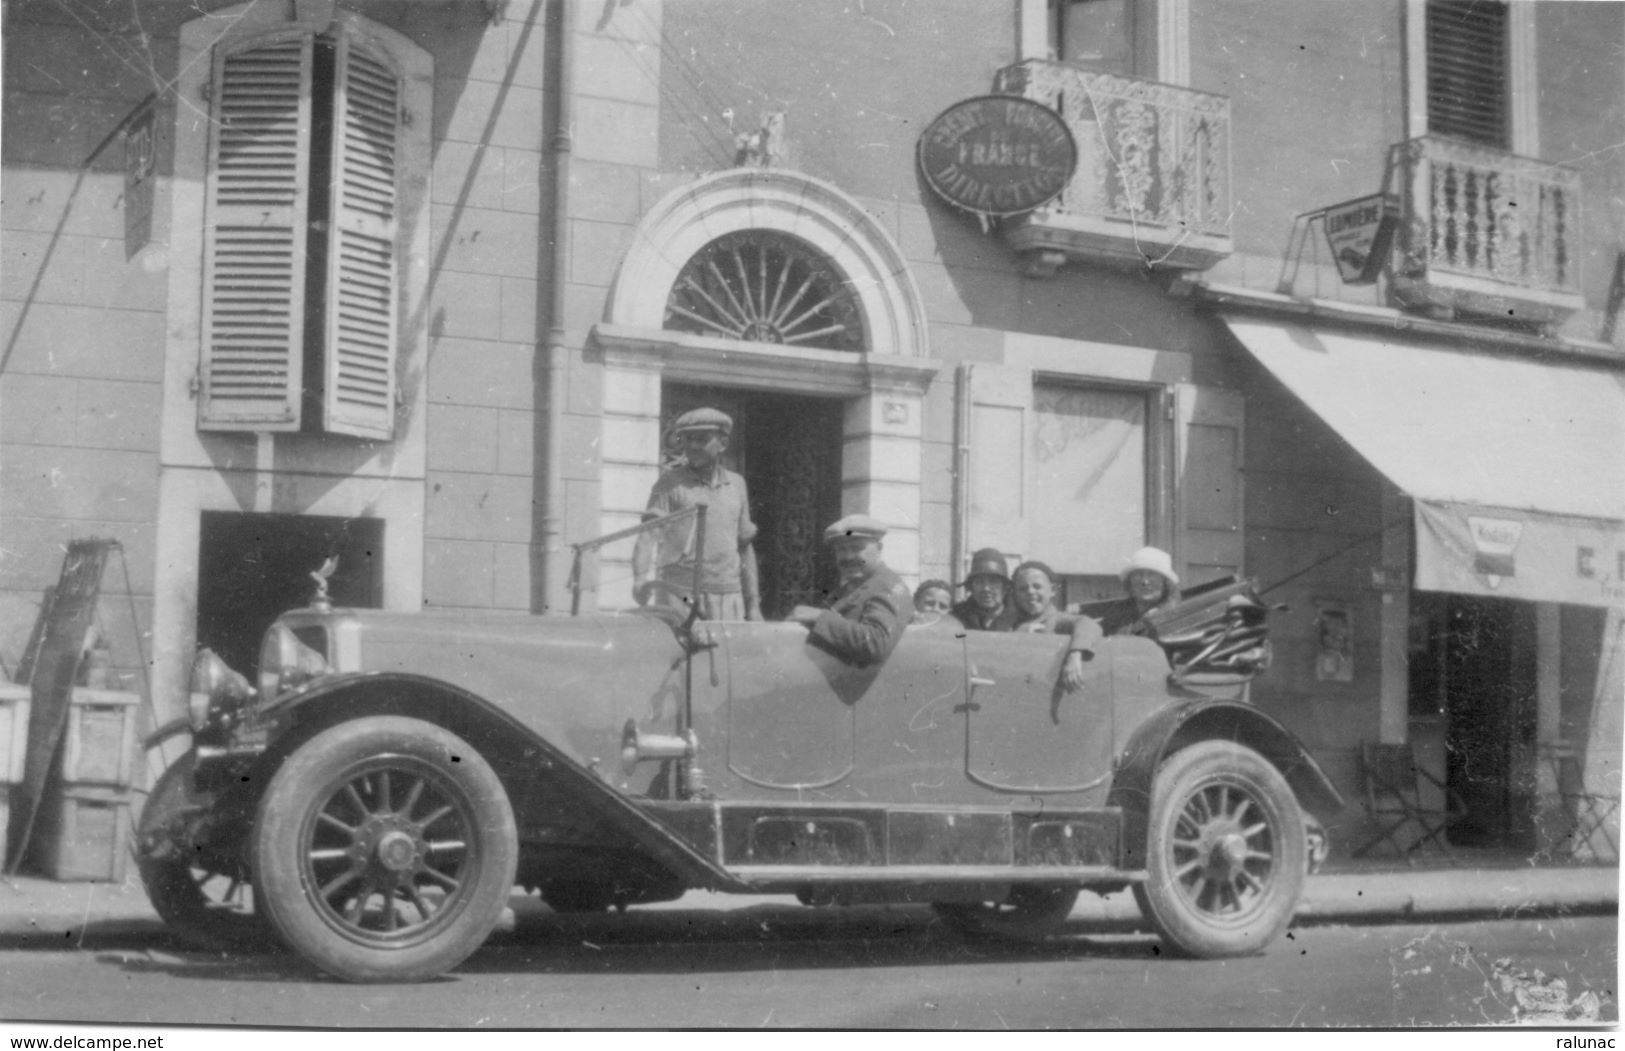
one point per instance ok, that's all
(1380, 892)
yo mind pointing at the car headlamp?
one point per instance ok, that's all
(286, 662)
(216, 689)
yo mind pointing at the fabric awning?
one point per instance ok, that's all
(1516, 467)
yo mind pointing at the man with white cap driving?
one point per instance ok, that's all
(728, 587)
(868, 615)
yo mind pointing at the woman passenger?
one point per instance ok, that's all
(1149, 584)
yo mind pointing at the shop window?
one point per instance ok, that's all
(766, 287)
(1467, 71)
(1082, 474)
(1090, 464)
(302, 242)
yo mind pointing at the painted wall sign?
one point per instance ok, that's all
(1359, 233)
(998, 154)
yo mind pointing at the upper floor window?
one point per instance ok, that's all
(302, 255)
(1467, 71)
(1099, 35)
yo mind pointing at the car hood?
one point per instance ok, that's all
(569, 679)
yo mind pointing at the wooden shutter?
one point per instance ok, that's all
(1209, 483)
(254, 254)
(359, 392)
(1000, 410)
(1467, 70)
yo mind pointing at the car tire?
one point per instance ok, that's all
(1225, 852)
(206, 902)
(385, 850)
(1029, 913)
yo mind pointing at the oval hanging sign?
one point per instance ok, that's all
(998, 154)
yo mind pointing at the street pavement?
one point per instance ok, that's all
(1437, 887)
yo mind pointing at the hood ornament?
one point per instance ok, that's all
(320, 600)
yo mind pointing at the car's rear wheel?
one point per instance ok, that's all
(1225, 852)
(1028, 912)
(385, 850)
(206, 900)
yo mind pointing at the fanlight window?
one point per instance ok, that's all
(766, 288)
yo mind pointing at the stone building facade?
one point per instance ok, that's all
(423, 284)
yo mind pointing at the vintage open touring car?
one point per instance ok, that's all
(395, 777)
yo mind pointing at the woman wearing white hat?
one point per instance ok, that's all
(1150, 584)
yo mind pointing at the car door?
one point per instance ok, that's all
(1024, 731)
(787, 710)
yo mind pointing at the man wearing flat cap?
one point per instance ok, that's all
(728, 588)
(867, 617)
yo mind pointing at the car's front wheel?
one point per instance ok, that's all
(1225, 852)
(206, 899)
(385, 850)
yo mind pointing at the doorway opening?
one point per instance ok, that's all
(788, 449)
(1475, 666)
(254, 567)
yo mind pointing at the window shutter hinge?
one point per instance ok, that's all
(206, 90)
(194, 386)
(406, 117)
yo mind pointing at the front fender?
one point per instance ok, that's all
(1172, 728)
(514, 749)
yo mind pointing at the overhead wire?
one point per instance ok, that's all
(691, 111)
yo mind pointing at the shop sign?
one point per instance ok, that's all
(1524, 555)
(998, 155)
(1360, 233)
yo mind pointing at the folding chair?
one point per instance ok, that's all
(1397, 800)
(1592, 813)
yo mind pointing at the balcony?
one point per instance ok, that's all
(1152, 187)
(1486, 234)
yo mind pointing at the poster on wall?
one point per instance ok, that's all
(139, 169)
(1334, 635)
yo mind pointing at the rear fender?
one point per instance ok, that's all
(1178, 725)
(514, 750)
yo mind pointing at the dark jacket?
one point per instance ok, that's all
(864, 622)
(1121, 617)
(970, 614)
(1085, 631)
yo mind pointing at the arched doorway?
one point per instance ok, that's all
(763, 286)
(780, 300)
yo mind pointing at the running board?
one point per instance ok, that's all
(861, 842)
(785, 877)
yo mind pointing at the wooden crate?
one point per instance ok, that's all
(82, 834)
(13, 731)
(100, 744)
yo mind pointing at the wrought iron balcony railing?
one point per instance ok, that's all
(1152, 186)
(1486, 232)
